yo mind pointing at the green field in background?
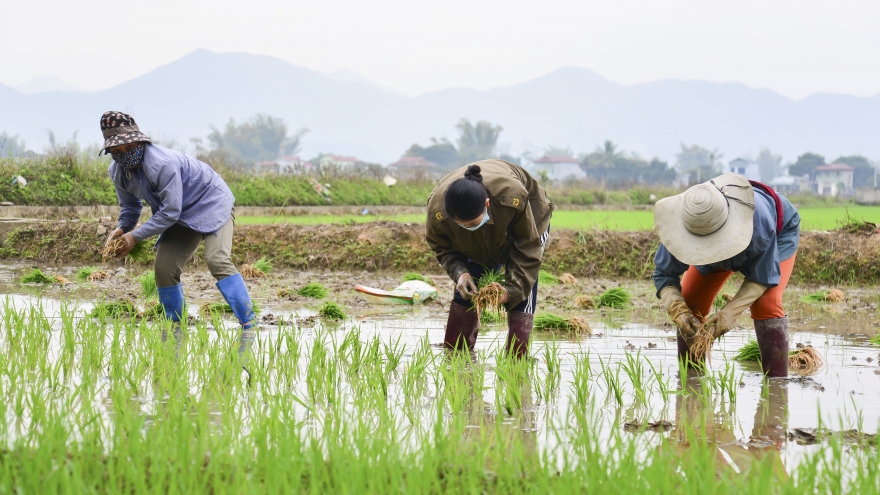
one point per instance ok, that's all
(811, 218)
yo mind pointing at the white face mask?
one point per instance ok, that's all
(483, 222)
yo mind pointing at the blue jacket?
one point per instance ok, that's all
(760, 260)
(178, 188)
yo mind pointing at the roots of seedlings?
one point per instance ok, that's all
(98, 275)
(579, 325)
(61, 280)
(584, 302)
(568, 279)
(806, 359)
(250, 272)
(110, 249)
(550, 321)
(284, 293)
(702, 343)
(835, 295)
(489, 297)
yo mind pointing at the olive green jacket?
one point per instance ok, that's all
(519, 213)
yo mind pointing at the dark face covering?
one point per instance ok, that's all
(131, 159)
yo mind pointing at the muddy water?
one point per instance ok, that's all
(761, 418)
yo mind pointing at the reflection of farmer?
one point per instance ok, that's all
(713, 229)
(488, 214)
(190, 204)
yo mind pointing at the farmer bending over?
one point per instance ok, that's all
(708, 232)
(482, 216)
(190, 204)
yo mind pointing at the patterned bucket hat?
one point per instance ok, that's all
(120, 128)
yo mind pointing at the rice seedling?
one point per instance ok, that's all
(568, 279)
(635, 372)
(492, 317)
(36, 276)
(489, 292)
(263, 265)
(612, 380)
(662, 383)
(876, 339)
(550, 321)
(332, 311)
(313, 290)
(148, 285)
(580, 383)
(805, 359)
(211, 308)
(119, 308)
(138, 252)
(832, 295)
(748, 352)
(584, 301)
(721, 300)
(614, 298)
(701, 345)
(547, 278)
(417, 276)
(92, 274)
(250, 272)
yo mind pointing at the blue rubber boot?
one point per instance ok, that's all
(172, 301)
(236, 294)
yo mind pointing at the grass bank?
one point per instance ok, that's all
(823, 258)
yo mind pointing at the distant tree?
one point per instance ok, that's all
(558, 151)
(769, 163)
(863, 175)
(441, 152)
(614, 167)
(13, 147)
(261, 138)
(698, 162)
(603, 157)
(477, 141)
(658, 172)
(806, 164)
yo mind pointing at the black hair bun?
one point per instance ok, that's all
(473, 173)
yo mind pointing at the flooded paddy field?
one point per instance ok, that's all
(372, 404)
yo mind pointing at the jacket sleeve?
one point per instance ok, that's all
(170, 192)
(526, 254)
(454, 262)
(130, 207)
(667, 270)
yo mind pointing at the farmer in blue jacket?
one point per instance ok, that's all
(190, 203)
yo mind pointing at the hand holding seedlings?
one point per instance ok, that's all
(118, 244)
(466, 286)
(725, 319)
(672, 300)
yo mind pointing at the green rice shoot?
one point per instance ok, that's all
(417, 276)
(36, 276)
(120, 308)
(332, 311)
(489, 277)
(547, 278)
(313, 290)
(140, 251)
(148, 285)
(817, 296)
(224, 308)
(263, 265)
(550, 321)
(614, 298)
(749, 352)
(492, 317)
(83, 273)
(876, 339)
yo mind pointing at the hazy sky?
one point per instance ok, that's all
(796, 47)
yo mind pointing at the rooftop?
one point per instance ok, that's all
(834, 167)
(557, 159)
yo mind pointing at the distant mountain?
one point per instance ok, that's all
(347, 114)
(44, 84)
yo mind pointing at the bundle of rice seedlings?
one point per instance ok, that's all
(251, 272)
(721, 300)
(833, 295)
(92, 274)
(61, 280)
(550, 321)
(120, 308)
(152, 311)
(568, 279)
(137, 253)
(547, 278)
(263, 265)
(584, 301)
(313, 290)
(209, 308)
(489, 292)
(36, 276)
(332, 311)
(490, 317)
(284, 293)
(614, 298)
(805, 359)
(417, 276)
(749, 352)
(702, 343)
(148, 284)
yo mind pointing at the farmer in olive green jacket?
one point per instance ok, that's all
(482, 216)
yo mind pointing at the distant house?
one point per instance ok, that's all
(293, 165)
(338, 161)
(747, 168)
(788, 184)
(413, 167)
(265, 167)
(834, 180)
(559, 167)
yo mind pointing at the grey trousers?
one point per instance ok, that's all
(179, 244)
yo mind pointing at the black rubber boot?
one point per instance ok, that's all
(519, 329)
(462, 327)
(772, 338)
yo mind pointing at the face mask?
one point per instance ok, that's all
(485, 219)
(131, 159)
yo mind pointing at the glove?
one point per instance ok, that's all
(724, 320)
(679, 313)
(466, 286)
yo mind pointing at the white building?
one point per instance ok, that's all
(747, 168)
(834, 179)
(339, 162)
(559, 167)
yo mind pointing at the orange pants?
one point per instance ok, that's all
(699, 292)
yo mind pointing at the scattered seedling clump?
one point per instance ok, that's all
(120, 308)
(61, 280)
(805, 359)
(137, 253)
(550, 321)
(332, 311)
(489, 292)
(92, 274)
(148, 285)
(36, 276)
(568, 279)
(584, 301)
(833, 295)
(547, 278)
(209, 308)
(614, 298)
(491, 317)
(417, 276)
(313, 290)
(749, 352)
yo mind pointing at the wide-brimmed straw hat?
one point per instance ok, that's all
(708, 223)
(120, 128)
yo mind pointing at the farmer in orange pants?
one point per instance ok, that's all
(728, 224)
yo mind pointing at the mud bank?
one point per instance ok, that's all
(823, 257)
